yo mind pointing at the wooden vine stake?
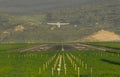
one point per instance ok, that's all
(91, 71)
(75, 67)
(58, 71)
(86, 66)
(44, 67)
(65, 71)
(39, 71)
(78, 71)
(52, 71)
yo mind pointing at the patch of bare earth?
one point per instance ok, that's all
(19, 28)
(102, 35)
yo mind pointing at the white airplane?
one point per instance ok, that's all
(58, 24)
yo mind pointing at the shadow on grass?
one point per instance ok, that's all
(110, 62)
(113, 52)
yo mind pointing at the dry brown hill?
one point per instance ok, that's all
(102, 35)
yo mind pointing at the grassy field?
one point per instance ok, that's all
(8, 47)
(70, 63)
(115, 45)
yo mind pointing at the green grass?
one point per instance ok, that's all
(115, 45)
(27, 64)
(7, 47)
(40, 64)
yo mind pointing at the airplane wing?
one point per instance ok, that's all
(52, 23)
(58, 24)
(64, 23)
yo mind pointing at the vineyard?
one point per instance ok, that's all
(57, 63)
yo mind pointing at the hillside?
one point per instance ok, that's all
(30, 6)
(101, 36)
(84, 18)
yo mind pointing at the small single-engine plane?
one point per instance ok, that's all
(58, 24)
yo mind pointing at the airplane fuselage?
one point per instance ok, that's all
(58, 24)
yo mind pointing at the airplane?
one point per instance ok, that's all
(58, 24)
